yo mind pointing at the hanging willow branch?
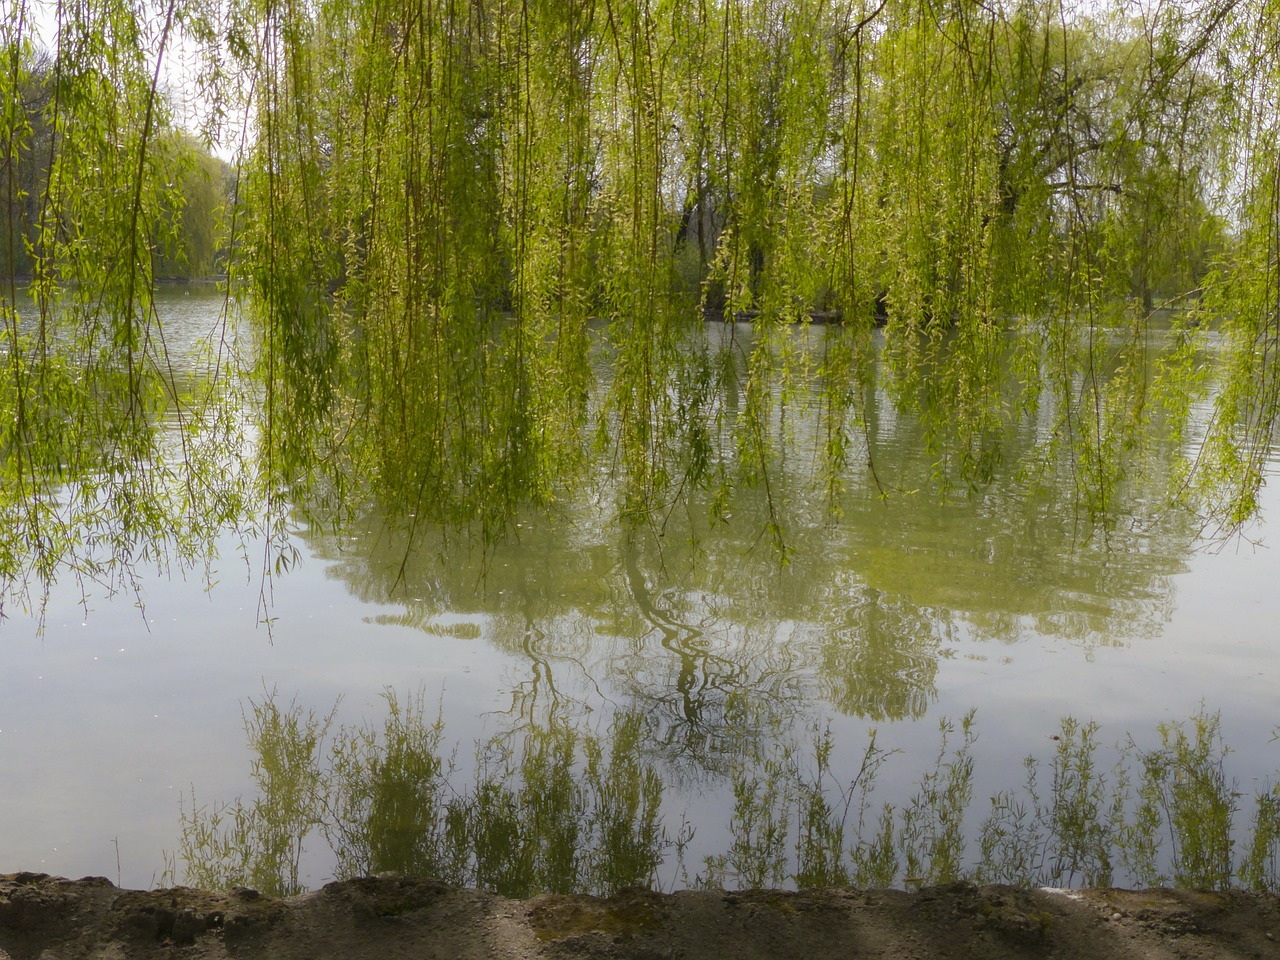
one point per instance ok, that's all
(456, 213)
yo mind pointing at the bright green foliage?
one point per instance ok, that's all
(193, 224)
(1261, 868)
(1078, 821)
(89, 478)
(384, 795)
(448, 213)
(474, 185)
(1011, 842)
(760, 828)
(931, 825)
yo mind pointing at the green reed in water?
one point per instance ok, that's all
(562, 809)
(260, 844)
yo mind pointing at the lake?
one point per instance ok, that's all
(120, 714)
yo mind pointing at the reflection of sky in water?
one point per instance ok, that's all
(106, 722)
(906, 613)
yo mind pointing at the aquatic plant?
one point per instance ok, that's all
(556, 810)
(259, 843)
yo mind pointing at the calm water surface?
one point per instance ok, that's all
(912, 609)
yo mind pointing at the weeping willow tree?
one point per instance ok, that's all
(488, 180)
(90, 478)
(451, 214)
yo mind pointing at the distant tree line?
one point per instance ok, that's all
(189, 236)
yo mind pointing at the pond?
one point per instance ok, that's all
(123, 716)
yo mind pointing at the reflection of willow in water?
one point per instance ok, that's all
(712, 690)
(883, 636)
(560, 809)
(694, 622)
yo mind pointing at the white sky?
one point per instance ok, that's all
(179, 69)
